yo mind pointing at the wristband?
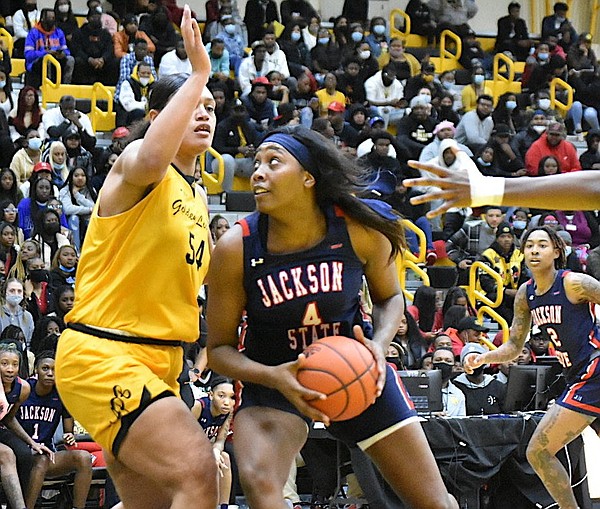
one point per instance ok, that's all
(485, 190)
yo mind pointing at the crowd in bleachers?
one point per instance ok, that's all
(376, 98)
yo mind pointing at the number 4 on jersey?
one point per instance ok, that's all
(311, 315)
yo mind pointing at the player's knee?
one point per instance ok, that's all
(258, 483)
(536, 453)
(7, 457)
(82, 460)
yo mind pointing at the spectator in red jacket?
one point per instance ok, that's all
(552, 143)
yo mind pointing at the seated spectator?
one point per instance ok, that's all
(358, 117)
(422, 21)
(63, 268)
(235, 139)
(539, 58)
(505, 162)
(468, 243)
(310, 32)
(386, 94)
(78, 198)
(134, 95)
(590, 159)
(7, 149)
(539, 343)
(346, 137)
(326, 56)
(367, 62)
(275, 58)
(108, 19)
(409, 344)
(38, 296)
(58, 121)
(377, 38)
(219, 62)
(423, 309)
(9, 188)
(8, 238)
(350, 82)
(26, 158)
(559, 26)
(586, 102)
(295, 49)
(8, 214)
(573, 262)
(77, 156)
(552, 143)
(405, 64)
(452, 318)
(379, 158)
(232, 37)
(6, 99)
(253, 67)
(548, 165)
(453, 398)
(23, 20)
(39, 415)
(260, 108)
(44, 327)
(446, 110)
(159, 28)
(521, 142)
(484, 394)
(507, 111)
(542, 75)
(476, 126)
(583, 228)
(581, 58)
(30, 208)
(416, 130)
(304, 99)
(453, 16)
(175, 61)
(507, 260)
(27, 113)
(473, 91)
(65, 20)
(329, 94)
(443, 131)
(94, 53)
(47, 233)
(472, 54)
(541, 102)
(512, 33)
(129, 61)
(46, 39)
(13, 312)
(56, 156)
(124, 40)
(425, 79)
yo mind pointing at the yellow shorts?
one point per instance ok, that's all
(107, 384)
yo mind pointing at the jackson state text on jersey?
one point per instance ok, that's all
(294, 299)
(571, 327)
(40, 415)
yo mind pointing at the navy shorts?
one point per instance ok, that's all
(583, 394)
(394, 407)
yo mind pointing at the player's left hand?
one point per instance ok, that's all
(69, 439)
(42, 449)
(221, 465)
(378, 353)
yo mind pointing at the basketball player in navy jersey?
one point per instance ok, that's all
(214, 413)
(561, 303)
(40, 415)
(296, 266)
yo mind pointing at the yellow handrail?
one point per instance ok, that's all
(476, 295)
(594, 17)
(563, 107)
(101, 120)
(494, 315)
(47, 82)
(213, 182)
(402, 264)
(422, 242)
(394, 30)
(446, 56)
(503, 84)
(5, 34)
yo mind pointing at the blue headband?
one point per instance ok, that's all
(294, 147)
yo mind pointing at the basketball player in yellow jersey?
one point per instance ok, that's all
(144, 258)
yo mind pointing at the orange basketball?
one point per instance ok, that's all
(344, 370)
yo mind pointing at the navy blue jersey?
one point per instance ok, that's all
(15, 393)
(571, 327)
(294, 299)
(40, 415)
(210, 424)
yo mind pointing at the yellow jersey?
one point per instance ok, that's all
(140, 271)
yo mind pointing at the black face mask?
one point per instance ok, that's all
(395, 361)
(52, 228)
(445, 368)
(38, 275)
(478, 371)
(48, 25)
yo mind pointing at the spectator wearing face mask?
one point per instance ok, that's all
(233, 38)
(453, 399)
(472, 92)
(559, 26)
(425, 79)
(476, 126)
(13, 312)
(385, 93)
(521, 142)
(484, 394)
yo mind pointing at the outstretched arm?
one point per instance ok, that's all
(518, 333)
(576, 190)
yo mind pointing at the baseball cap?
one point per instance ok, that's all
(469, 322)
(336, 106)
(383, 184)
(470, 348)
(554, 127)
(42, 166)
(261, 80)
(375, 119)
(501, 130)
(504, 228)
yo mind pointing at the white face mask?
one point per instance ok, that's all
(539, 128)
(144, 81)
(364, 54)
(230, 29)
(568, 250)
(544, 104)
(64, 8)
(379, 29)
(478, 79)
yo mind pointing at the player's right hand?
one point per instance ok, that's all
(288, 385)
(472, 362)
(192, 39)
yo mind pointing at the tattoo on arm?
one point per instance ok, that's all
(584, 288)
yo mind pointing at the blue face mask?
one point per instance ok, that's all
(2, 84)
(511, 105)
(519, 225)
(379, 29)
(357, 36)
(295, 36)
(230, 29)
(35, 143)
(323, 40)
(543, 56)
(482, 162)
(64, 269)
(478, 79)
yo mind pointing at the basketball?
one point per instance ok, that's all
(345, 371)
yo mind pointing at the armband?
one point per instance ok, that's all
(485, 190)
